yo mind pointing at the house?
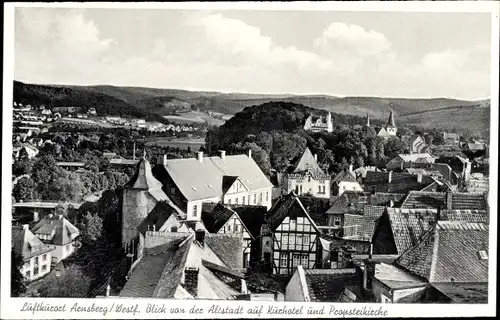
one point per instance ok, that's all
(37, 256)
(399, 182)
(57, 231)
(415, 143)
(460, 165)
(28, 212)
(321, 285)
(228, 179)
(361, 226)
(224, 219)
(451, 138)
(192, 265)
(403, 161)
(71, 166)
(445, 200)
(21, 150)
(353, 203)
(318, 124)
(399, 229)
(390, 129)
(453, 258)
(438, 170)
(344, 181)
(92, 111)
(361, 171)
(291, 236)
(308, 178)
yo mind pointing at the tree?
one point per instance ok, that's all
(17, 282)
(25, 189)
(71, 283)
(91, 228)
(60, 210)
(22, 166)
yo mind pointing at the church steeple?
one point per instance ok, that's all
(390, 122)
(367, 124)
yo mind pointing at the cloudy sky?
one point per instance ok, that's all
(337, 53)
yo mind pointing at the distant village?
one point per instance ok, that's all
(216, 227)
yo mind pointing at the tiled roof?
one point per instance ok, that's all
(143, 177)
(327, 285)
(401, 182)
(460, 200)
(159, 215)
(316, 207)
(449, 252)
(344, 175)
(415, 157)
(58, 228)
(360, 199)
(228, 247)
(464, 292)
(410, 225)
(307, 162)
(216, 219)
(281, 209)
(202, 180)
(362, 226)
(465, 215)
(253, 217)
(27, 244)
(227, 182)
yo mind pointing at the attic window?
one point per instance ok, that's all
(210, 186)
(483, 255)
(193, 187)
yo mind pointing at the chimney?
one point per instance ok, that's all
(222, 154)
(419, 178)
(191, 280)
(200, 236)
(316, 157)
(51, 215)
(370, 253)
(36, 216)
(26, 226)
(164, 159)
(389, 179)
(350, 168)
(391, 203)
(249, 153)
(133, 155)
(449, 200)
(200, 156)
(244, 289)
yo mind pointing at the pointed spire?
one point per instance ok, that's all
(144, 154)
(367, 120)
(391, 119)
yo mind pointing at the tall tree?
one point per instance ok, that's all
(17, 282)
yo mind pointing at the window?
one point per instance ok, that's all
(319, 189)
(292, 224)
(283, 259)
(254, 198)
(236, 201)
(44, 257)
(58, 273)
(305, 260)
(35, 271)
(28, 274)
(172, 190)
(336, 221)
(195, 210)
(483, 255)
(236, 227)
(229, 227)
(300, 220)
(296, 260)
(267, 243)
(44, 268)
(384, 299)
(27, 264)
(228, 201)
(173, 229)
(260, 197)
(284, 241)
(36, 261)
(299, 239)
(306, 240)
(267, 195)
(243, 200)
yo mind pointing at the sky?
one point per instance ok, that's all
(385, 54)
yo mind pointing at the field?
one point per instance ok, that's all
(196, 118)
(194, 143)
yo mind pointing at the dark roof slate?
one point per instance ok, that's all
(401, 182)
(327, 285)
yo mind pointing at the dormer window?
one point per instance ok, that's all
(483, 255)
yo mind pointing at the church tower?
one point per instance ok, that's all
(367, 124)
(140, 195)
(329, 122)
(391, 125)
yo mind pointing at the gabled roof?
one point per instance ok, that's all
(281, 209)
(229, 248)
(25, 243)
(216, 219)
(201, 180)
(327, 285)
(481, 216)
(463, 292)
(401, 182)
(58, 228)
(362, 226)
(344, 175)
(159, 215)
(253, 217)
(415, 157)
(227, 182)
(459, 200)
(308, 162)
(449, 252)
(410, 225)
(358, 200)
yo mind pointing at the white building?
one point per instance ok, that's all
(308, 178)
(36, 255)
(58, 232)
(345, 181)
(318, 124)
(390, 129)
(230, 179)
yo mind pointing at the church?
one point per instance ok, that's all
(387, 131)
(318, 124)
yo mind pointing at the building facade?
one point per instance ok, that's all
(318, 124)
(390, 129)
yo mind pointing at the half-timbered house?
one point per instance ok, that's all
(294, 235)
